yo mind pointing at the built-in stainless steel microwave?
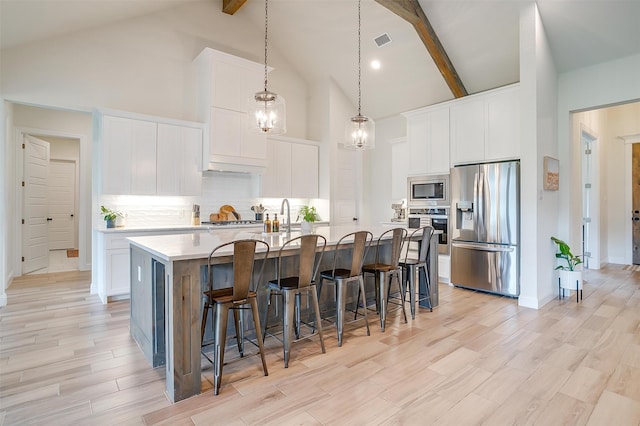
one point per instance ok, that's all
(430, 190)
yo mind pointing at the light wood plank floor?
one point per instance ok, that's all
(477, 359)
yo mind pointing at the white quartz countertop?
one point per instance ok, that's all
(198, 245)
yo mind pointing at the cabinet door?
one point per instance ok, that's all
(254, 144)
(503, 125)
(417, 134)
(179, 159)
(467, 132)
(192, 161)
(276, 180)
(118, 271)
(116, 155)
(235, 83)
(226, 133)
(227, 86)
(169, 160)
(129, 156)
(304, 171)
(143, 158)
(232, 142)
(437, 156)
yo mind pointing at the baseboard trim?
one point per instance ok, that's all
(3, 299)
(529, 302)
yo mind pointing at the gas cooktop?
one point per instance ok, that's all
(232, 222)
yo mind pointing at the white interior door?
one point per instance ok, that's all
(35, 242)
(62, 204)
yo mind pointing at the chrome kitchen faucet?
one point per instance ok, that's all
(288, 214)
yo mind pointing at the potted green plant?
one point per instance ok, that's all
(309, 216)
(110, 216)
(570, 275)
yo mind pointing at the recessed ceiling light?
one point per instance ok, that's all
(375, 64)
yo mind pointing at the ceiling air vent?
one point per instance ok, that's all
(383, 39)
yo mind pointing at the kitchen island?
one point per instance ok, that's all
(168, 275)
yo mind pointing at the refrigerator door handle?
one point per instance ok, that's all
(482, 247)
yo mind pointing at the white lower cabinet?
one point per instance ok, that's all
(444, 268)
(114, 264)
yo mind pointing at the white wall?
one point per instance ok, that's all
(378, 188)
(7, 196)
(538, 207)
(604, 84)
(144, 65)
(346, 195)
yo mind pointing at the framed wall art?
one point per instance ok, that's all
(551, 174)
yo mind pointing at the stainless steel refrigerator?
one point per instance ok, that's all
(485, 251)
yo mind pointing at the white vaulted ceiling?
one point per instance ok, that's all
(318, 37)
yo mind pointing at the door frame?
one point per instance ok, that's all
(588, 135)
(628, 141)
(84, 190)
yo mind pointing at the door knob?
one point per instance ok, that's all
(49, 219)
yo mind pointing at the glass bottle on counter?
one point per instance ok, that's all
(275, 225)
(267, 224)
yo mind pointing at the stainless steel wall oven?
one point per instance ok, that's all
(438, 218)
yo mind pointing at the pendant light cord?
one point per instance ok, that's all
(359, 71)
(266, 29)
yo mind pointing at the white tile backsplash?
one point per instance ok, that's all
(241, 190)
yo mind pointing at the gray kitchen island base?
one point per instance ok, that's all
(167, 279)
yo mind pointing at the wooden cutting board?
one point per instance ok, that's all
(227, 212)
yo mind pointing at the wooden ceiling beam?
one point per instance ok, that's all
(232, 6)
(410, 11)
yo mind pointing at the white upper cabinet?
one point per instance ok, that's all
(292, 169)
(128, 156)
(150, 156)
(304, 171)
(503, 125)
(179, 158)
(438, 141)
(276, 179)
(428, 141)
(234, 81)
(485, 127)
(225, 85)
(467, 131)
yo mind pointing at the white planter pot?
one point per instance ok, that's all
(571, 280)
(306, 227)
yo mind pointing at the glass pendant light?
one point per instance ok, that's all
(267, 110)
(359, 130)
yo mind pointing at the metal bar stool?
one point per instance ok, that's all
(233, 298)
(411, 266)
(342, 277)
(291, 288)
(385, 268)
